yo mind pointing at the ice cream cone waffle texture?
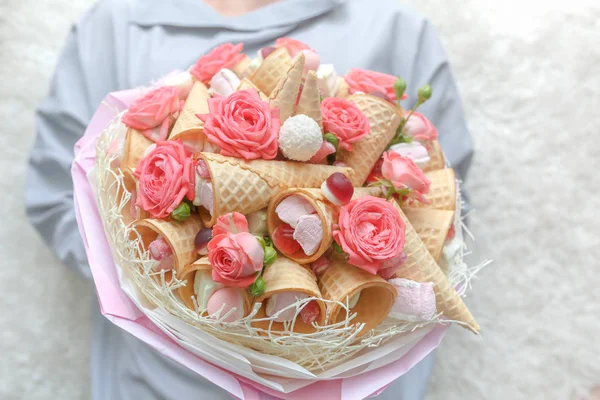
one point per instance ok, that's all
(247, 84)
(442, 192)
(285, 275)
(384, 118)
(285, 94)
(436, 156)
(186, 293)
(421, 267)
(247, 186)
(341, 281)
(130, 184)
(196, 103)
(327, 212)
(432, 226)
(272, 70)
(310, 99)
(135, 146)
(241, 68)
(179, 235)
(342, 90)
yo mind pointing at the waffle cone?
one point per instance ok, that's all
(436, 156)
(310, 99)
(327, 212)
(241, 68)
(442, 192)
(179, 235)
(188, 127)
(342, 280)
(247, 84)
(432, 226)
(420, 266)
(130, 184)
(285, 94)
(247, 186)
(284, 275)
(343, 90)
(135, 146)
(384, 118)
(186, 293)
(272, 70)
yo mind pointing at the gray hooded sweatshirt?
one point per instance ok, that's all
(120, 44)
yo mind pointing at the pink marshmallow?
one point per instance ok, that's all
(224, 300)
(203, 194)
(279, 301)
(202, 170)
(312, 61)
(292, 208)
(309, 233)
(325, 150)
(167, 264)
(159, 249)
(415, 301)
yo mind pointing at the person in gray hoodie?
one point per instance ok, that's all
(120, 44)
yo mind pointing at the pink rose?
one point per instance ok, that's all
(293, 46)
(371, 232)
(235, 258)
(154, 109)
(345, 120)
(230, 223)
(165, 177)
(420, 128)
(363, 80)
(242, 125)
(224, 56)
(404, 173)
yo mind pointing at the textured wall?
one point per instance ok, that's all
(530, 79)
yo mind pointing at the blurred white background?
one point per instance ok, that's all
(529, 74)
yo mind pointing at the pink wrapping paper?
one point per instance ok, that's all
(121, 311)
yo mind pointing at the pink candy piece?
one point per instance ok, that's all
(338, 189)
(224, 300)
(202, 170)
(310, 312)
(292, 208)
(325, 150)
(159, 249)
(415, 301)
(283, 239)
(167, 264)
(309, 233)
(319, 266)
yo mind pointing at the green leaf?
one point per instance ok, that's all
(337, 248)
(182, 212)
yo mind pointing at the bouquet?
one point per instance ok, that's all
(272, 225)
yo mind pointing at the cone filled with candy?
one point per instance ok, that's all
(268, 210)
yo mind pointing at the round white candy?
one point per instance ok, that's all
(300, 138)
